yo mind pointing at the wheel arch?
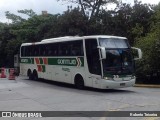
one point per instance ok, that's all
(78, 75)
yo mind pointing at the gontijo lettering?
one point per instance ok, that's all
(66, 61)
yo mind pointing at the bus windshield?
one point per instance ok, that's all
(118, 57)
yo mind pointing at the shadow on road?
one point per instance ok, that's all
(71, 86)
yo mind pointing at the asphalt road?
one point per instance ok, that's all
(43, 95)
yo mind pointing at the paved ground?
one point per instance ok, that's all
(27, 95)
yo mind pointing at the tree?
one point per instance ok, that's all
(150, 45)
(14, 18)
(11, 37)
(27, 12)
(71, 22)
(5, 36)
(91, 7)
(128, 21)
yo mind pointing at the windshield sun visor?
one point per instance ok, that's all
(113, 43)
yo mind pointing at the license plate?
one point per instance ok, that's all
(122, 84)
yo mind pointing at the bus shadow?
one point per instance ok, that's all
(63, 86)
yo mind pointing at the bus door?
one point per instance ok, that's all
(93, 60)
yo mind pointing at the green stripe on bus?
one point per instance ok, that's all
(32, 60)
(27, 60)
(43, 68)
(77, 61)
(41, 60)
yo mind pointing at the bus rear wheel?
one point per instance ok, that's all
(29, 74)
(35, 75)
(79, 82)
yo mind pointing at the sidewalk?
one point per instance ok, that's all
(147, 85)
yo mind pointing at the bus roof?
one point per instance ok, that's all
(72, 38)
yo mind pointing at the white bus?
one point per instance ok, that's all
(98, 61)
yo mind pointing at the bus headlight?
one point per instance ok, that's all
(108, 78)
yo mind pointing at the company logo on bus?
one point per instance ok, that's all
(66, 61)
(24, 60)
(75, 62)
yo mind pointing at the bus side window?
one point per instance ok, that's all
(27, 51)
(59, 50)
(77, 48)
(74, 53)
(63, 49)
(36, 50)
(49, 50)
(32, 51)
(22, 51)
(55, 49)
(42, 50)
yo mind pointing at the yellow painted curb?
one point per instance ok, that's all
(145, 85)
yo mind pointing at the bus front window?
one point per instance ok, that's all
(118, 60)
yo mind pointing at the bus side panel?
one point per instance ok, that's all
(23, 70)
(56, 73)
(45, 71)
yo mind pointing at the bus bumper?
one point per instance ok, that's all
(111, 84)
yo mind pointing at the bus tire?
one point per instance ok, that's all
(35, 75)
(29, 74)
(79, 82)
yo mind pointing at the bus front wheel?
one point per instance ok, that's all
(79, 82)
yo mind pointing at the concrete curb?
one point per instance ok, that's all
(148, 86)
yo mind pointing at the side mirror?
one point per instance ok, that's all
(139, 53)
(103, 52)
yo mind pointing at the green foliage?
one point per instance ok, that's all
(72, 22)
(29, 13)
(14, 18)
(91, 6)
(150, 45)
(11, 49)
